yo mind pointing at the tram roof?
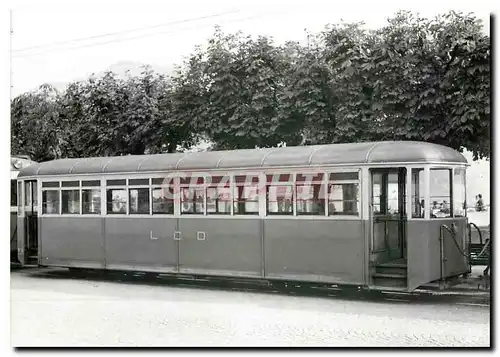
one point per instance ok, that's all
(315, 155)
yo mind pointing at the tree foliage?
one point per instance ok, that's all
(413, 79)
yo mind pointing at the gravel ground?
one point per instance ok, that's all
(57, 309)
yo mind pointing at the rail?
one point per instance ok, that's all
(479, 253)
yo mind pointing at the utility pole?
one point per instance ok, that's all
(11, 33)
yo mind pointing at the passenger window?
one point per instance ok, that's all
(343, 199)
(459, 204)
(192, 200)
(50, 201)
(91, 201)
(163, 200)
(343, 193)
(139, 200)
(440, 186)
(219, 195)
(310, 192)
(279, 194)
(70, 201)
(116, 199)
(417, 193)
(246, 195)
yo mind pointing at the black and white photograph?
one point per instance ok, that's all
(273, 174)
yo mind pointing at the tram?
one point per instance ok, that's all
(376, 215)
(17, 163)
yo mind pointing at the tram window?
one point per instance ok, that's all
(192, 200)
(343, 176)
(91, 183)
(246, 195)
(279, 194)
(70, 184)
(27, 193)
(13, 193)
(34, 197)
(440, 198)
(50, 201)
(163, 181)
(50, 184)
(116, 199)
(19, 198)
(392, 193)
(417, 193)
(139, 200)
(163, 200)
(121, 182)
(219, 197)
(310, 194)
(459, 204)
(70, 201)
(138, 182)
(343, 199)
(91, 201)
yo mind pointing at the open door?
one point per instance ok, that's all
(389, 218)
(30, 239)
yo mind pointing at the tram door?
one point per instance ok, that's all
(30, 222)
(388, 214)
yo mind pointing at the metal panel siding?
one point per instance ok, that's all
(456, 263)
(61, 166)
(230, 246)
(424, 257)
(71, 241)
(290, 156)
(161, 162)
(413, 151)
(129, 243)
(342, 154)
(123, 163)
(244, 158)
(201, 160)
(320, 250)
(89, 165)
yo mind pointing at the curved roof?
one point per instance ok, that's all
(332, 154)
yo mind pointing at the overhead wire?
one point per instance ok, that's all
(27, 49)
(129, 38)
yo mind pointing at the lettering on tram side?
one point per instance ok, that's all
(182, 184)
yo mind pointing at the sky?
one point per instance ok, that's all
(170, 30)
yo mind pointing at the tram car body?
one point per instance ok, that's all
(377, 215)
(16, 164)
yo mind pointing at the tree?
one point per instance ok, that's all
(35, 127)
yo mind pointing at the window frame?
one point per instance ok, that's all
(77, 189)
(116, 187)
(291, 183)
(323, 183)
(216, 187)
(161, 187)
(358, 182)
(235, 199)
(139, 186)
(450, 169)
(196, 186)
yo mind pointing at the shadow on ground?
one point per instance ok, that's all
(256, 286)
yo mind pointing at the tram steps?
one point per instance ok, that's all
(391, 274)
(400, 269)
